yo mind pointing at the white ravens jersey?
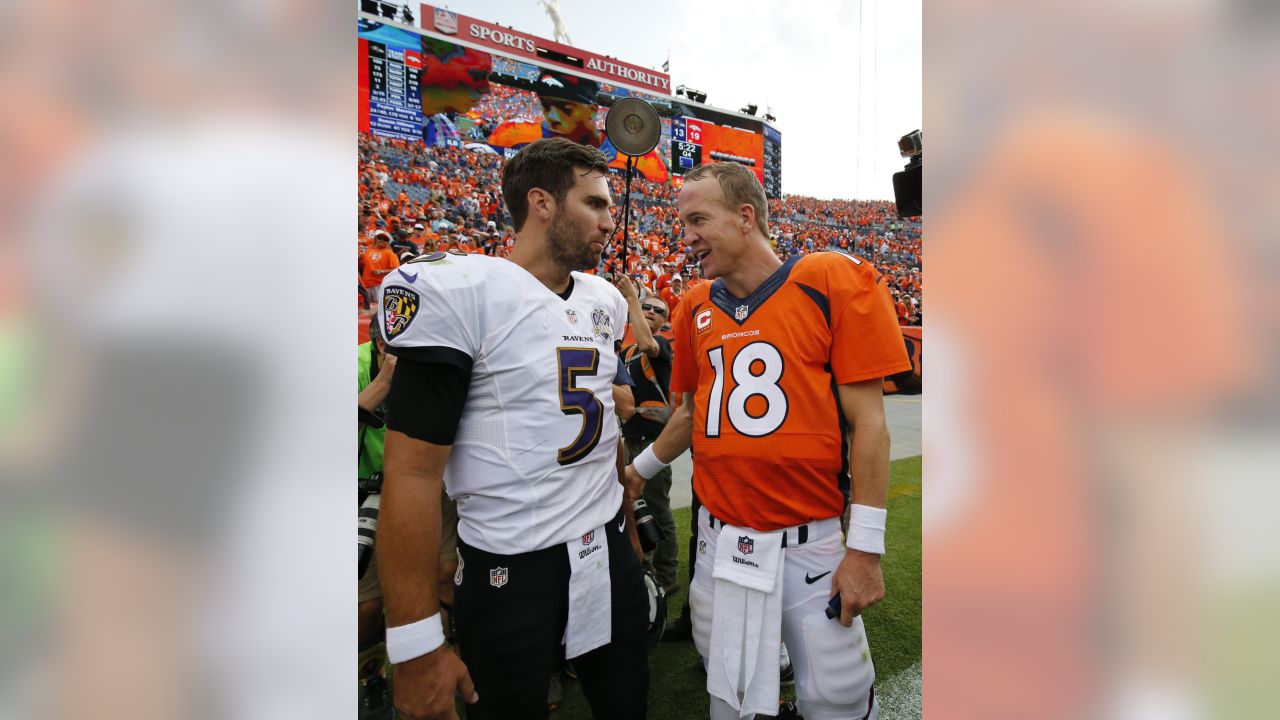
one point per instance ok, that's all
(534, 460)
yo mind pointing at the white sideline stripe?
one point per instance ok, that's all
(900, 695)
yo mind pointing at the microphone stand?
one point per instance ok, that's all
(626, 210)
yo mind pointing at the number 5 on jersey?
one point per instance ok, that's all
(575, 362)
(757, 370)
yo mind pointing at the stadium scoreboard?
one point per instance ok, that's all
(700, 134)
(772, 162)
(393, 69)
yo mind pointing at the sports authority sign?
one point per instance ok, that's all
(513, 42)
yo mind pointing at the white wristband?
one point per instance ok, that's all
(866, 529)
(407, 642)
(648, 464)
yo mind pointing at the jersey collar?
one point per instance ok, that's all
(739, 309)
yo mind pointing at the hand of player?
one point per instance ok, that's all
(860, 583)
(632, 483)
(423, 687)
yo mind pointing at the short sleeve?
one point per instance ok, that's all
(866, 340)
(622, 376)
(684, 371)
(664, 348)
(619, 314)
(430, 314)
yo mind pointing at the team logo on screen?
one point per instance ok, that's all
(600, 324)
(741, 313)
(746, 545)
(399, 307)
(498, 577)
(446, 22)
(586, 539)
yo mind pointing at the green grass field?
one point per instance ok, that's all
(678, 689)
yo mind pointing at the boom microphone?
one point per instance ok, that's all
(633, 127)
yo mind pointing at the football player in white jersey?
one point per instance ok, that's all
(503, 393)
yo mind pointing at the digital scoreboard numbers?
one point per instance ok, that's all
(772, 162)
(395, 96)
(686, 145)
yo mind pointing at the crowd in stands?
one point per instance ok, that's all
(417, 199)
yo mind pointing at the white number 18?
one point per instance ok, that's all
(747, 385)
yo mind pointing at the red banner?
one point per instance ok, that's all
(513, 42)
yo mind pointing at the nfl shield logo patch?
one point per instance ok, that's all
(498, 577)
(573, 316)
(746, 545)
(586, 539)
(740, 314)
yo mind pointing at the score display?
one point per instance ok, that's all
(772, 162)
(394, 95)
(700, 136)
(391, 65)
(686, 145)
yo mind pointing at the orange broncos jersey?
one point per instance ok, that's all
(769, 441)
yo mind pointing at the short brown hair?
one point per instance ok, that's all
(739, 186)
(550, 164)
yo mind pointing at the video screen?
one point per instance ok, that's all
(416, 87)
(700, 135)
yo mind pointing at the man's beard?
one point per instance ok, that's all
(566, 246)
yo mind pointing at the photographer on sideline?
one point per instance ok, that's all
(649, 363)
(374, 370)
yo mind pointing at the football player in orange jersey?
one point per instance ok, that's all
(781, 367)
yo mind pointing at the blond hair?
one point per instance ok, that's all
(739, 186)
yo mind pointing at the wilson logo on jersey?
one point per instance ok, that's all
(399, 307)
(703, 321)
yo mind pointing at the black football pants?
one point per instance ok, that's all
(510, 635)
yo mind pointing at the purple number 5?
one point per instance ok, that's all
(573, 399)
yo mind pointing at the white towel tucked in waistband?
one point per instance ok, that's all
(746, 620)
(590, 594)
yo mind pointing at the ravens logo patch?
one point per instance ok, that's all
(399, 307)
